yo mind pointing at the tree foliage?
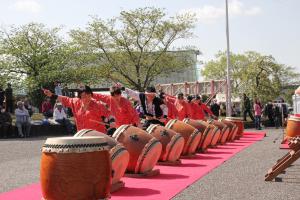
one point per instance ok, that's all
(33, 56)
(133, 48)
(257, 75)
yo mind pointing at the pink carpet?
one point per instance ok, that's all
(284, 146)
(171, 181)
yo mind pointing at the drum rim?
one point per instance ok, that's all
(151, 128)
(171, 123)
(296, 119)
(174, 140)
(186, 120)
(234, 118)
(120, 130)
(146, 149)
(82, 132)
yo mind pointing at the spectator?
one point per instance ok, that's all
(5, 123)
(28, 106)
(57, 89)
(247, 108)
(47, 108)
(9, 98)
(22, 120)
(269, 111)
(215, 108)
(234, 111)
(60, 117)
(277, 116)
(257, 112)
(66, 92)
(1, 96)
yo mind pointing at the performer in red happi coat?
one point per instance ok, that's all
(181, 105)
(199, 109)
(88, 113)
(172, 111)
(120, 107)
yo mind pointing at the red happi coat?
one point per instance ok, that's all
(90, 118)
(124, 114)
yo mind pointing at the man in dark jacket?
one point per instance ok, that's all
(9, 99)
(1, 96)
(5, 123)
(247, 108)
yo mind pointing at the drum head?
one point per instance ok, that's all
(149, 157)
(225, 136)
(175, 150)
(192, 143)
(120, 159)
(216, 137)
(207, 139)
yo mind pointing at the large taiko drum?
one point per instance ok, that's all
(293, 126)
(190, 134)
(143, 148)
(207, 132)
(233, 129)
(75, 168)
(224, 130)
(118, 153)
(172, 142)
(239, 123)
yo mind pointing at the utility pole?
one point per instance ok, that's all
(228, 99)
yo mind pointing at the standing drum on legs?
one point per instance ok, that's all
(190, 134)
(143, 148)
(172, 142)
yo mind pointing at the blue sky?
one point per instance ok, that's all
(270, 27)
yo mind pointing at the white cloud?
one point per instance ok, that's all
(30, 6)
(253, 11)
(209, 14)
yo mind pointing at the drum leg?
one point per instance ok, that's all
(153, 172)
(169, 163)
(282, 165)
(117, 186)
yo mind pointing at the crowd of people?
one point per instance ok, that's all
(106, 112)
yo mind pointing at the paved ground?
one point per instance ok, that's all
(241, 177)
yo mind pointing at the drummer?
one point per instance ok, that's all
(120, 107)
(200, 109)
(172, 111)
(88, 113)
(153, 107)
(181, 105)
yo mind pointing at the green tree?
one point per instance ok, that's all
(134, 48)
(34, 56)
(257, 75)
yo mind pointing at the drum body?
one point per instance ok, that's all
(240, 125)
(233, 129)
(190, 134)
(207, 132)
(75, 168)
(143, 148)
(118, 153)
(293, 126)
(172, 142)
(216, 135)
(224, 130)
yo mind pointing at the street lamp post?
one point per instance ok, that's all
(228, 99)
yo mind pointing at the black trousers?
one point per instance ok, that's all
(9, 106)
(250, 114)
(5, 130)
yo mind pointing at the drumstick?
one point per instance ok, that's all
(102, 123)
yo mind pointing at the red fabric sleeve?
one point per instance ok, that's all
(66, 101)
(105, 98)
(204, 107)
